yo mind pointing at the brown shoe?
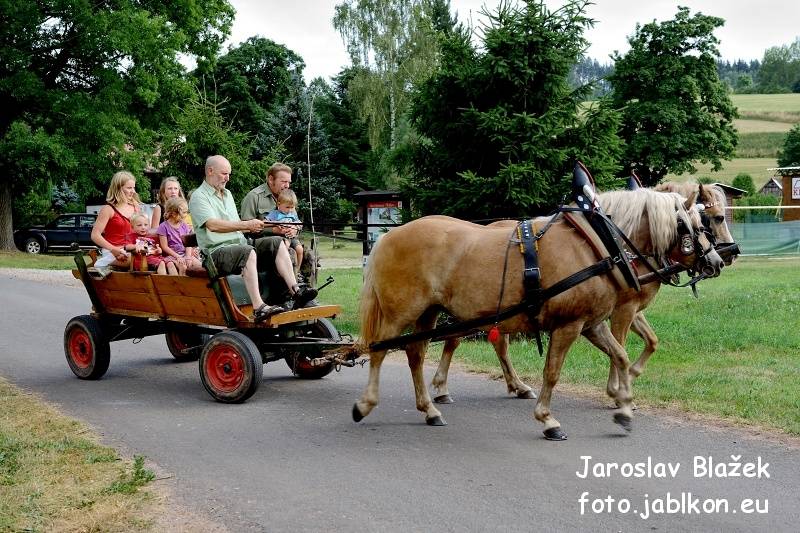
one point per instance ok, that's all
(266, 311)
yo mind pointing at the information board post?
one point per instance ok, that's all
(378, 212)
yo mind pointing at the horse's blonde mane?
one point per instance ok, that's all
(626, 208)
(687, 188)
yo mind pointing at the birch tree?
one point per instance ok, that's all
(394, 43)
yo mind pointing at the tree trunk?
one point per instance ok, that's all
(6, 219)
(392, 119)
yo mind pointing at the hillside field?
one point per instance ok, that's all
(762, 126)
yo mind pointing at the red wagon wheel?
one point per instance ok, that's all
(86, 347)
(300, 362)
(231, 367)
(185, 344)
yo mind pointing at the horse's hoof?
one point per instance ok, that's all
(444, 398)
(527, 395)
(555, 434)
(357, 416)
(435, 421)
(623, 420)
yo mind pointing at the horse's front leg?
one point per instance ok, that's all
(439, 382)
(642, 327)
(600, 335)
(369, 399)
(514, 384)
(560, 341)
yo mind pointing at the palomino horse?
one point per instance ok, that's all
(713, 200)
(407, 285)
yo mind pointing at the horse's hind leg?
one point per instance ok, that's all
(600, 335)
(643, 328)
(621, 320)
(416, 358)
(369, 399)
(514, 384)
(560, 341)
(439, 382)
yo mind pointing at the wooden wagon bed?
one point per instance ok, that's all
(189, 299)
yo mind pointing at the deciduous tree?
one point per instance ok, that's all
(394, 43)
(252, 80)
(789, 156)
(675, 110)
(85, 84)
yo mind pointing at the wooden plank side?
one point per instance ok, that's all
(182, 286)
(125, 282)
(121, 301)
(306, 313)
(202, 309)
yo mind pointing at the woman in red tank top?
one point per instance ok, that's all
(113, 221)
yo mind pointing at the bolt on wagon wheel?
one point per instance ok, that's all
(33, 246)
(86, 347)
(185, 344)
(231, 367)
(300, 362)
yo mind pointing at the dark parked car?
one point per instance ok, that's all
(66, 232)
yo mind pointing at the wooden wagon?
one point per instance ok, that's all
(205, 317)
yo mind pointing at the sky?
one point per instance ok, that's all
(305, 27)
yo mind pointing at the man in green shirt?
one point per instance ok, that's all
(264, 198)
(219, 234)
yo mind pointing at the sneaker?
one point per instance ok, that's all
(302, 296)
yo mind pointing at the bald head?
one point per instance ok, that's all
(218, 171)
(214, 161)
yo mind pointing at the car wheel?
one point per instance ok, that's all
(34, 246)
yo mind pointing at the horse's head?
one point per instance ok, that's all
(694, 245)
(711, 203)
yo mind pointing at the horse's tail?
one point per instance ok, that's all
(369, 309)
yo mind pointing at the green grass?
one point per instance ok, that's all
(733, 353)
(774, 107)
(54, 476)
(760, 145)
(755, 166)
(41, 261)
(343, 249)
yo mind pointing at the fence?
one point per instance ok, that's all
(763, 230)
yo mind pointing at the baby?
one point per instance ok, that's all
(140, 242)
(285, 212)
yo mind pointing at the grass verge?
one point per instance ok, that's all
(55, 477)
(41, 261)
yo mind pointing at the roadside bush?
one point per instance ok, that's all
(745, 182)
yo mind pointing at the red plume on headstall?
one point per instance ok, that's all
(494, 334)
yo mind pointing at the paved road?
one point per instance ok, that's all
(291, 459)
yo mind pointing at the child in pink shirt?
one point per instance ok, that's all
(170, 233)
